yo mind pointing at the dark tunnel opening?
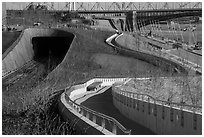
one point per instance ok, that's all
(51, 50)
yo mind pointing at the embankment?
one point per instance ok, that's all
(8, 39)
(163, 63)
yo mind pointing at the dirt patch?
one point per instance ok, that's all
(124, 64)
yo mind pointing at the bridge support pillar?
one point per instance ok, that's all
(124, 24)
(134, 20)
(129, 21)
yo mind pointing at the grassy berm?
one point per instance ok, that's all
(34, 110)
(9, 38)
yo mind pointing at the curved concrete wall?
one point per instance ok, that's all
(22, 50)
(160, 118)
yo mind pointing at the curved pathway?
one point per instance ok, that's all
(103, 103)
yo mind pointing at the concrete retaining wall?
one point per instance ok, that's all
(161, 119)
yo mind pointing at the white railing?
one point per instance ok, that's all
(81, 88)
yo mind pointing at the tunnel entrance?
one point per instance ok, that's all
(50, 50)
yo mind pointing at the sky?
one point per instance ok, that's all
(105, 5)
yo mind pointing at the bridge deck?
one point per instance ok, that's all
(138, 11)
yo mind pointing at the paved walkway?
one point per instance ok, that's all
(82, 97)
(103, 103)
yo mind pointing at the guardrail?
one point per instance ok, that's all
(100, 119)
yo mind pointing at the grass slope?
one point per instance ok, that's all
(35, 110)
(8, 39)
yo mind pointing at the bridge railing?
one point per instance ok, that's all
(100, 119)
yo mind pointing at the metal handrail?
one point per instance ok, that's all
(157, 100)
(126, 131)
(123, 129)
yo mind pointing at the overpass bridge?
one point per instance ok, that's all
(145, 16)
(107, 8)
(128, 16)
(134, 20)
(140, 12)
(102, 6)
